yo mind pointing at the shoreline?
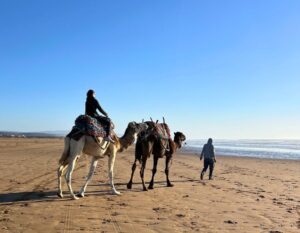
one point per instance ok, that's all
(239, 156)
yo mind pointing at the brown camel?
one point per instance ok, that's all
(97, 150)
(150, 142)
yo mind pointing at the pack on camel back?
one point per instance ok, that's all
(89, 126)
(160, 133)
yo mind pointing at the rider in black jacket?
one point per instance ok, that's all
(91, 106)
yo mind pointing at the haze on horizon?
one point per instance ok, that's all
(221, 69)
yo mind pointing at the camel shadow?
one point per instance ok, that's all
(25, 198)
(9, 198)
(39, 196)
(158, 184)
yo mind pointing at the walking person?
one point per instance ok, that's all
(208, 152)
(91, 107)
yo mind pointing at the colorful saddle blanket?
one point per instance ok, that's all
(86, 125)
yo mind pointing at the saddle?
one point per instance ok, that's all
(160, 132)
(89, 126)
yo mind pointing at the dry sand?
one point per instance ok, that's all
(247, 195)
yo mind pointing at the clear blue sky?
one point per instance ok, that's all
(221, 69)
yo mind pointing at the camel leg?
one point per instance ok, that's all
(142, 171)
(69, 177)
(89, 177)
(129, 184)
(60, 173)
(168, 160)
(155, 160)
(111, 162)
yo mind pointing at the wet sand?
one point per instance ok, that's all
(246, 195)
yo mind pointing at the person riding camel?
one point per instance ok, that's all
(91, 106)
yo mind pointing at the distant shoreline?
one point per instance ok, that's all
(197, 154)
(12, 134)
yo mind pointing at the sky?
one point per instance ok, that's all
(220, 69)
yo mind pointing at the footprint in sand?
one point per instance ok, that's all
(230, 222)
(180, 215)
(123, 204)
(158, 209)
(4, 219)
(104, 221)
(115, 214)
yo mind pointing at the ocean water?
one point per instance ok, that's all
(273, 149)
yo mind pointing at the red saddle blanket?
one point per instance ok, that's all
(86, 125)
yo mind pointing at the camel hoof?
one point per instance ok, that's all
(80, 195)
(145, 189)
(60, 195)
(150, 187)
(116, 193)
(170, 185)
(129, 186)
(75, 198)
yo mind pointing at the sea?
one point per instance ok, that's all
(269, 149)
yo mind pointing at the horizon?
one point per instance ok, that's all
(213, 69)
(62, 132)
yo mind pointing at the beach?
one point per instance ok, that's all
(246, 194)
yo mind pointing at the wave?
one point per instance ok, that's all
(275, 149)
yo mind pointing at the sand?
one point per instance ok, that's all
(246, 195)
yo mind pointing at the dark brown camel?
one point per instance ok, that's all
(150, 142)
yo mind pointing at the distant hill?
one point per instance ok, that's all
(44, 134)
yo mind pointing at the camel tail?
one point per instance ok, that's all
(66, 151)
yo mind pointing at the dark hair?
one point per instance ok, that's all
(90, 93)
(209, 141)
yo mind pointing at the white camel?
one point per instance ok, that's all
(87, 145)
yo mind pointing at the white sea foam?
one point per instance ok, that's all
(275, 149)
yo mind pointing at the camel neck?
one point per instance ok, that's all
(126, 140)
(176, 144)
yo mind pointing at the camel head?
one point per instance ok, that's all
(131, 132)
(179, 138)
(134, 128)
